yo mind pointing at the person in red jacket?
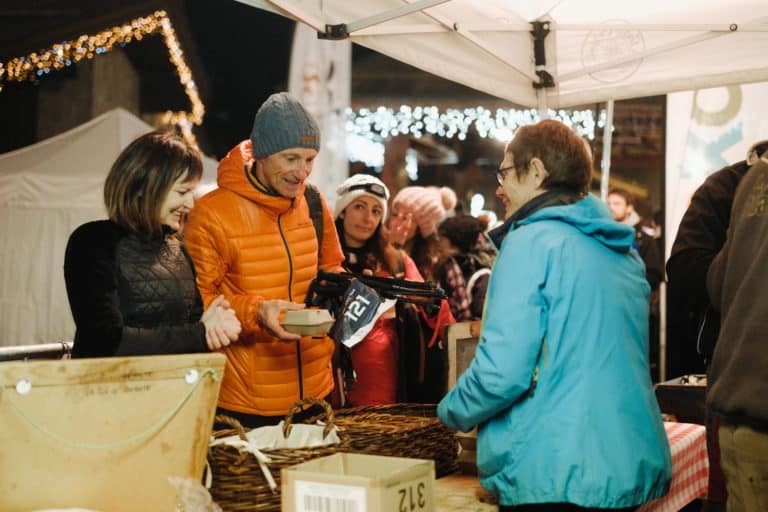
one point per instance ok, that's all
(253, 240)
(361, 208)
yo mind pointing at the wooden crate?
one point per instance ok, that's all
(104, 434)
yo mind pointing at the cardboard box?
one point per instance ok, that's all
(104, 434)
(360, 483)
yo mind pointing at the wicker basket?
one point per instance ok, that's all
(239, 484)
(400, 429)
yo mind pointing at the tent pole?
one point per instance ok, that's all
(605, 165)
(541, 100)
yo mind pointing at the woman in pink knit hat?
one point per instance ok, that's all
(416, 213)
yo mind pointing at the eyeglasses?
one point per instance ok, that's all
(501, 174)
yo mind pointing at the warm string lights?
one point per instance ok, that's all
(37, 64)
(185, 74)
(407, 120)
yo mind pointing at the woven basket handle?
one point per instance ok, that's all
(329, 418)
(232, 422)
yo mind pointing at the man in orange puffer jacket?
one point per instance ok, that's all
(253, 240)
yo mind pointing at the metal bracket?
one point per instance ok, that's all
(545, 80)
(334, 32)
(540, 32)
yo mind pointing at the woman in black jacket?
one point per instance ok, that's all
(130, 282)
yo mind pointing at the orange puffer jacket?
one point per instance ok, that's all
(253, 246)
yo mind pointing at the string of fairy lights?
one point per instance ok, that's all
(367, 129)
(36, 65)
(500, 124)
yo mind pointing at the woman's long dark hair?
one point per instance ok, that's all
(426, 252)
(377, 252)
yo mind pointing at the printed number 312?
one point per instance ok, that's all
(409, 502)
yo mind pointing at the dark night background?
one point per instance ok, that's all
(246, 54)
(238, 55)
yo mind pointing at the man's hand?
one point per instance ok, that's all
(268, 318)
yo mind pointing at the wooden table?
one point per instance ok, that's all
(462, 493)
(690, 470)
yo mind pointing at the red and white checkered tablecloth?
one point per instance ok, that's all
(690, 467)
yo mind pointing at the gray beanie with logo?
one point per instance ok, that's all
(282, 123)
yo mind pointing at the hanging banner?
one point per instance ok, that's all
(320, 78)
(707, 130)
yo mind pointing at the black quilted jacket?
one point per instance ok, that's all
(129, 295)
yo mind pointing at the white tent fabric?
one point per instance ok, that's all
(596, 50)
(46, 191)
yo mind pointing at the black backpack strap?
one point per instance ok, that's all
(312, 195)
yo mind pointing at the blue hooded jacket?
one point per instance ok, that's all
(560, 385)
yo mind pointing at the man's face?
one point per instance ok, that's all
(514, 192)
(620, 210)
(285, 171)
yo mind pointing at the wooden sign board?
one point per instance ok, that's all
(104, 434)
(463, 338)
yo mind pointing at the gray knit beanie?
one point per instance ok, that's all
(282, 123)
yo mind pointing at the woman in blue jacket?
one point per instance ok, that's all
(559, 386)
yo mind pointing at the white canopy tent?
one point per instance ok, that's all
(46, 191)
(555, 53)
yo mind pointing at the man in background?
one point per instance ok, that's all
(622, 205)
(737, 383)
(693, 324)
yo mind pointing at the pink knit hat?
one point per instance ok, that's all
(428, 206)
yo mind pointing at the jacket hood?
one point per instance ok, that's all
(234, 175)
(590, 216)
